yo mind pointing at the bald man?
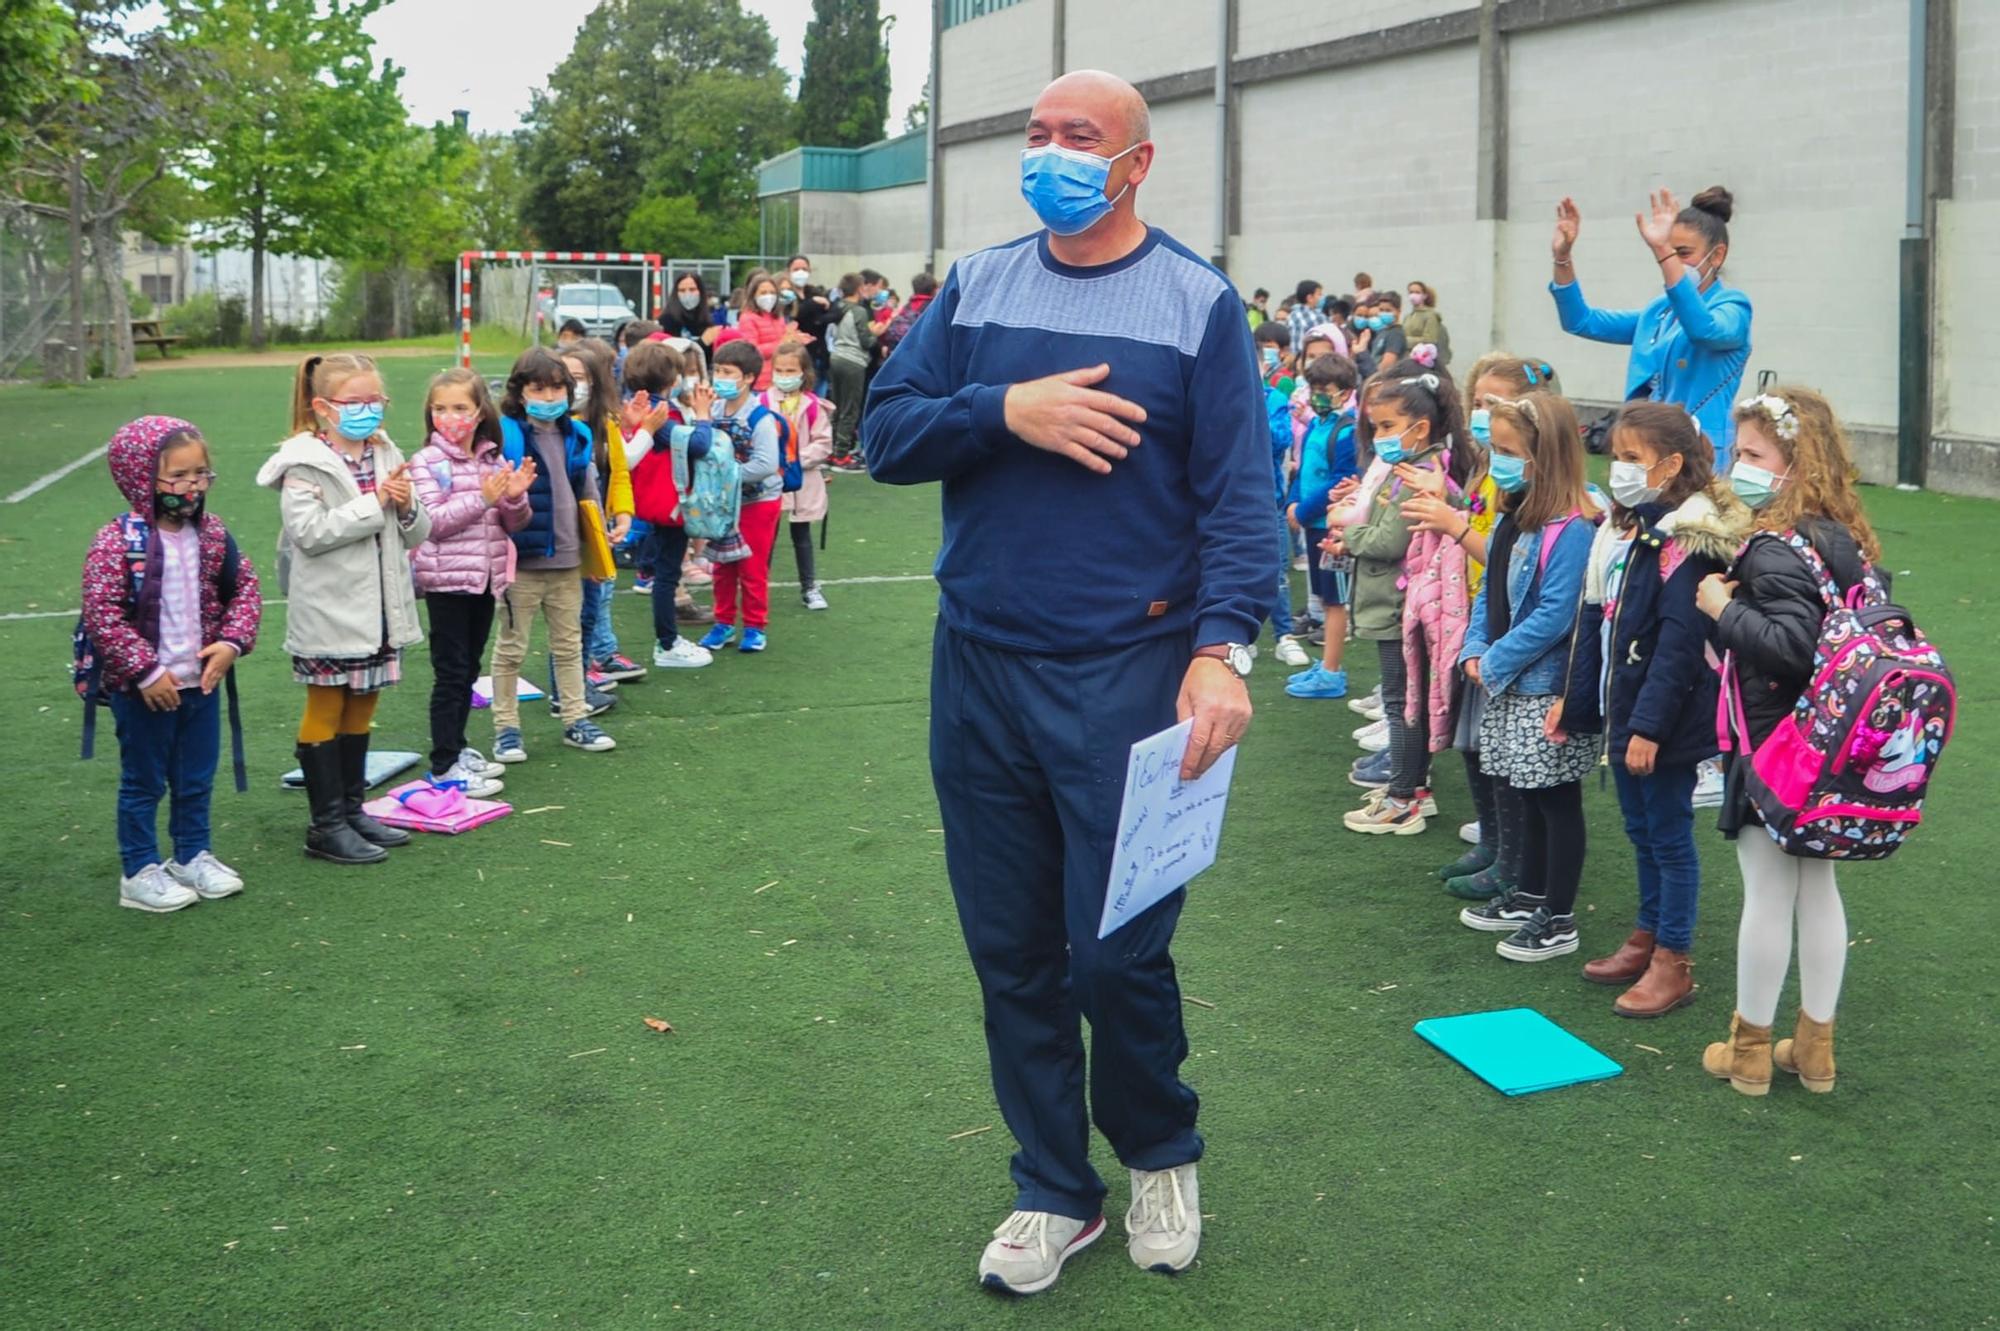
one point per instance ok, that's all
(1089, 399)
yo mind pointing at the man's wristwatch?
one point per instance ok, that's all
(1232, 654)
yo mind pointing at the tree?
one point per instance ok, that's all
(491, 193)
(676, 226)
(299, 112)
(37, 38)
(844, 93)
(658, 98)
(918, 116)
(122, 148)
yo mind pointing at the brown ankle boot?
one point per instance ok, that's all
(1744, 1059)
(1808, 1055)
(1625, 965)
(1667, 984)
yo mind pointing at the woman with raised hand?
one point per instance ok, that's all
(1689, 346)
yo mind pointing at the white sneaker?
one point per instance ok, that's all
(478, 785)
(1368, 704)
(815, 599)
(683, 655)
(1469, 833)
(151, 890)
(1374, 736)
(1291, 652)
(1028, 1250)
(209, 877)
(1165, 1218)
(472, 760)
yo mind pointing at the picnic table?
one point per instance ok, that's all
(145, 332)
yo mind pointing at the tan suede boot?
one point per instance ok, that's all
(1667, 984)
(1808, 1055)
(1744, 1059)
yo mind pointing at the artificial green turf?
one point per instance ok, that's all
(422, 1095)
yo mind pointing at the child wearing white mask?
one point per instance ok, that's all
(766, 322)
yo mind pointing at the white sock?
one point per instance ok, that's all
(1315, 607)
(1764, 939)
(1822, 940)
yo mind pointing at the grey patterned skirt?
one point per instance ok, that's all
(1513, 748)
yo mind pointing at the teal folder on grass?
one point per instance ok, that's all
(383, 765)
(1517, 1051)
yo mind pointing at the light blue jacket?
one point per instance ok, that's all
(1689, 346)
(1531, 655)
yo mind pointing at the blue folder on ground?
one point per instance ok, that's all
(383, 764)
(1517, 1050)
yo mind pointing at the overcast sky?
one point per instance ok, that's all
(488, 62)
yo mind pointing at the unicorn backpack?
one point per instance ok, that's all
(1844, 776)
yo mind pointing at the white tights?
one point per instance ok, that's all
(1777, 887)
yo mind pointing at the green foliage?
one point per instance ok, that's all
(844, 95)
(197, 319)
(676, 226)
(490, 192)
(681, 94)
(37, 38)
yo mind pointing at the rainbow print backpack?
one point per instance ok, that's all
(1844, 776)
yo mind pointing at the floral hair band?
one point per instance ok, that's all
(1784, 421)
(1425, 354)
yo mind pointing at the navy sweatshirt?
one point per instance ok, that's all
(1040, 554)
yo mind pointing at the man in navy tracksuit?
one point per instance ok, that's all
(1084, 394)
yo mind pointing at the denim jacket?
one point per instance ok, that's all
(1531, 656)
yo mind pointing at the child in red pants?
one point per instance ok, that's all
(755, 431)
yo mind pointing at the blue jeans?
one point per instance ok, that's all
(1023, 752)
(600, 639)
(1281, 613)
(1659, 820)
(160, 752)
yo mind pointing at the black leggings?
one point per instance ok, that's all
(460, 623)
(802, 551)
(1552, 844)
(1409, 745)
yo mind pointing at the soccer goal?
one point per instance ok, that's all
(537, 291)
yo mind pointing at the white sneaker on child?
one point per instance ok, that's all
(1291, 652)
(683, 655)
(152, 891)
(814, 598)
(1028, 1250)
(209, 877)
(1164, 1219)
(472, 760)
(478, 785)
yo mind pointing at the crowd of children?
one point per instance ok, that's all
(1547, 630)
(1520, 616)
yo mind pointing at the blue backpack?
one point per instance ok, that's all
(87, 664)
(711, 487)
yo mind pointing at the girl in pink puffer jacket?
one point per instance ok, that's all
(474, 498)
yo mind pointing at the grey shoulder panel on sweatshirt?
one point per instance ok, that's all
(1165, 299)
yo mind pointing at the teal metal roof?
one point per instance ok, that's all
(897, 161)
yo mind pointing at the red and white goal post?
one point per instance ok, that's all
(652, 264)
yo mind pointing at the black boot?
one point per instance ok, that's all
(354, 790)
(329, 837)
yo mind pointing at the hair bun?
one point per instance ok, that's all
(1715, 201)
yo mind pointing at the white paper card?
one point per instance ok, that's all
(526, 692)
(1167, 830)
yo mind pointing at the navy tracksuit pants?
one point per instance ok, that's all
(1028, 754)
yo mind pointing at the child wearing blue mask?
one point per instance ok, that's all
(536, 421)
(349, 517)
(1274, 363)
(1388, 340)
(1327, 474)
(755, 432)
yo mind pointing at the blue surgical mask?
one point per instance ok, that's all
(1270, 358)
(1356, 322)
(1389, 447)
(728, 389)
(553, 410)
(1381, 321)
(359, 420)
(1480, 425)
(788, 383)
(879, 299)
(1066, 187)
(1753, 484)
(1509, 472)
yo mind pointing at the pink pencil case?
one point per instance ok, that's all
(419, 806)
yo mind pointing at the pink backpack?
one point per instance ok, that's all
(1844, 777)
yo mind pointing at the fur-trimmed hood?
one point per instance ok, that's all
(1712, 523)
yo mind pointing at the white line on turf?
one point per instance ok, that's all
(42, 483)
(824, 582)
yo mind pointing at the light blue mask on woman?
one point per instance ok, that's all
(1066, 187)
(1509, 472)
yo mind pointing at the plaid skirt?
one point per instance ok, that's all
(357, 674)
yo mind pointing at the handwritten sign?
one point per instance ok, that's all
(1168, 829)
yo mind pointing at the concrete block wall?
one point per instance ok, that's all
(1264, 26)
(1139, 40)
(1966, 386)
(997, 62)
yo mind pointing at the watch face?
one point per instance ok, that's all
(1240, 660)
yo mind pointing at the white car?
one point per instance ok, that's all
(598, 306)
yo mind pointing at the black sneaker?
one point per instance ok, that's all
(597, 699)
(1542, 937)
(1503, 914)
